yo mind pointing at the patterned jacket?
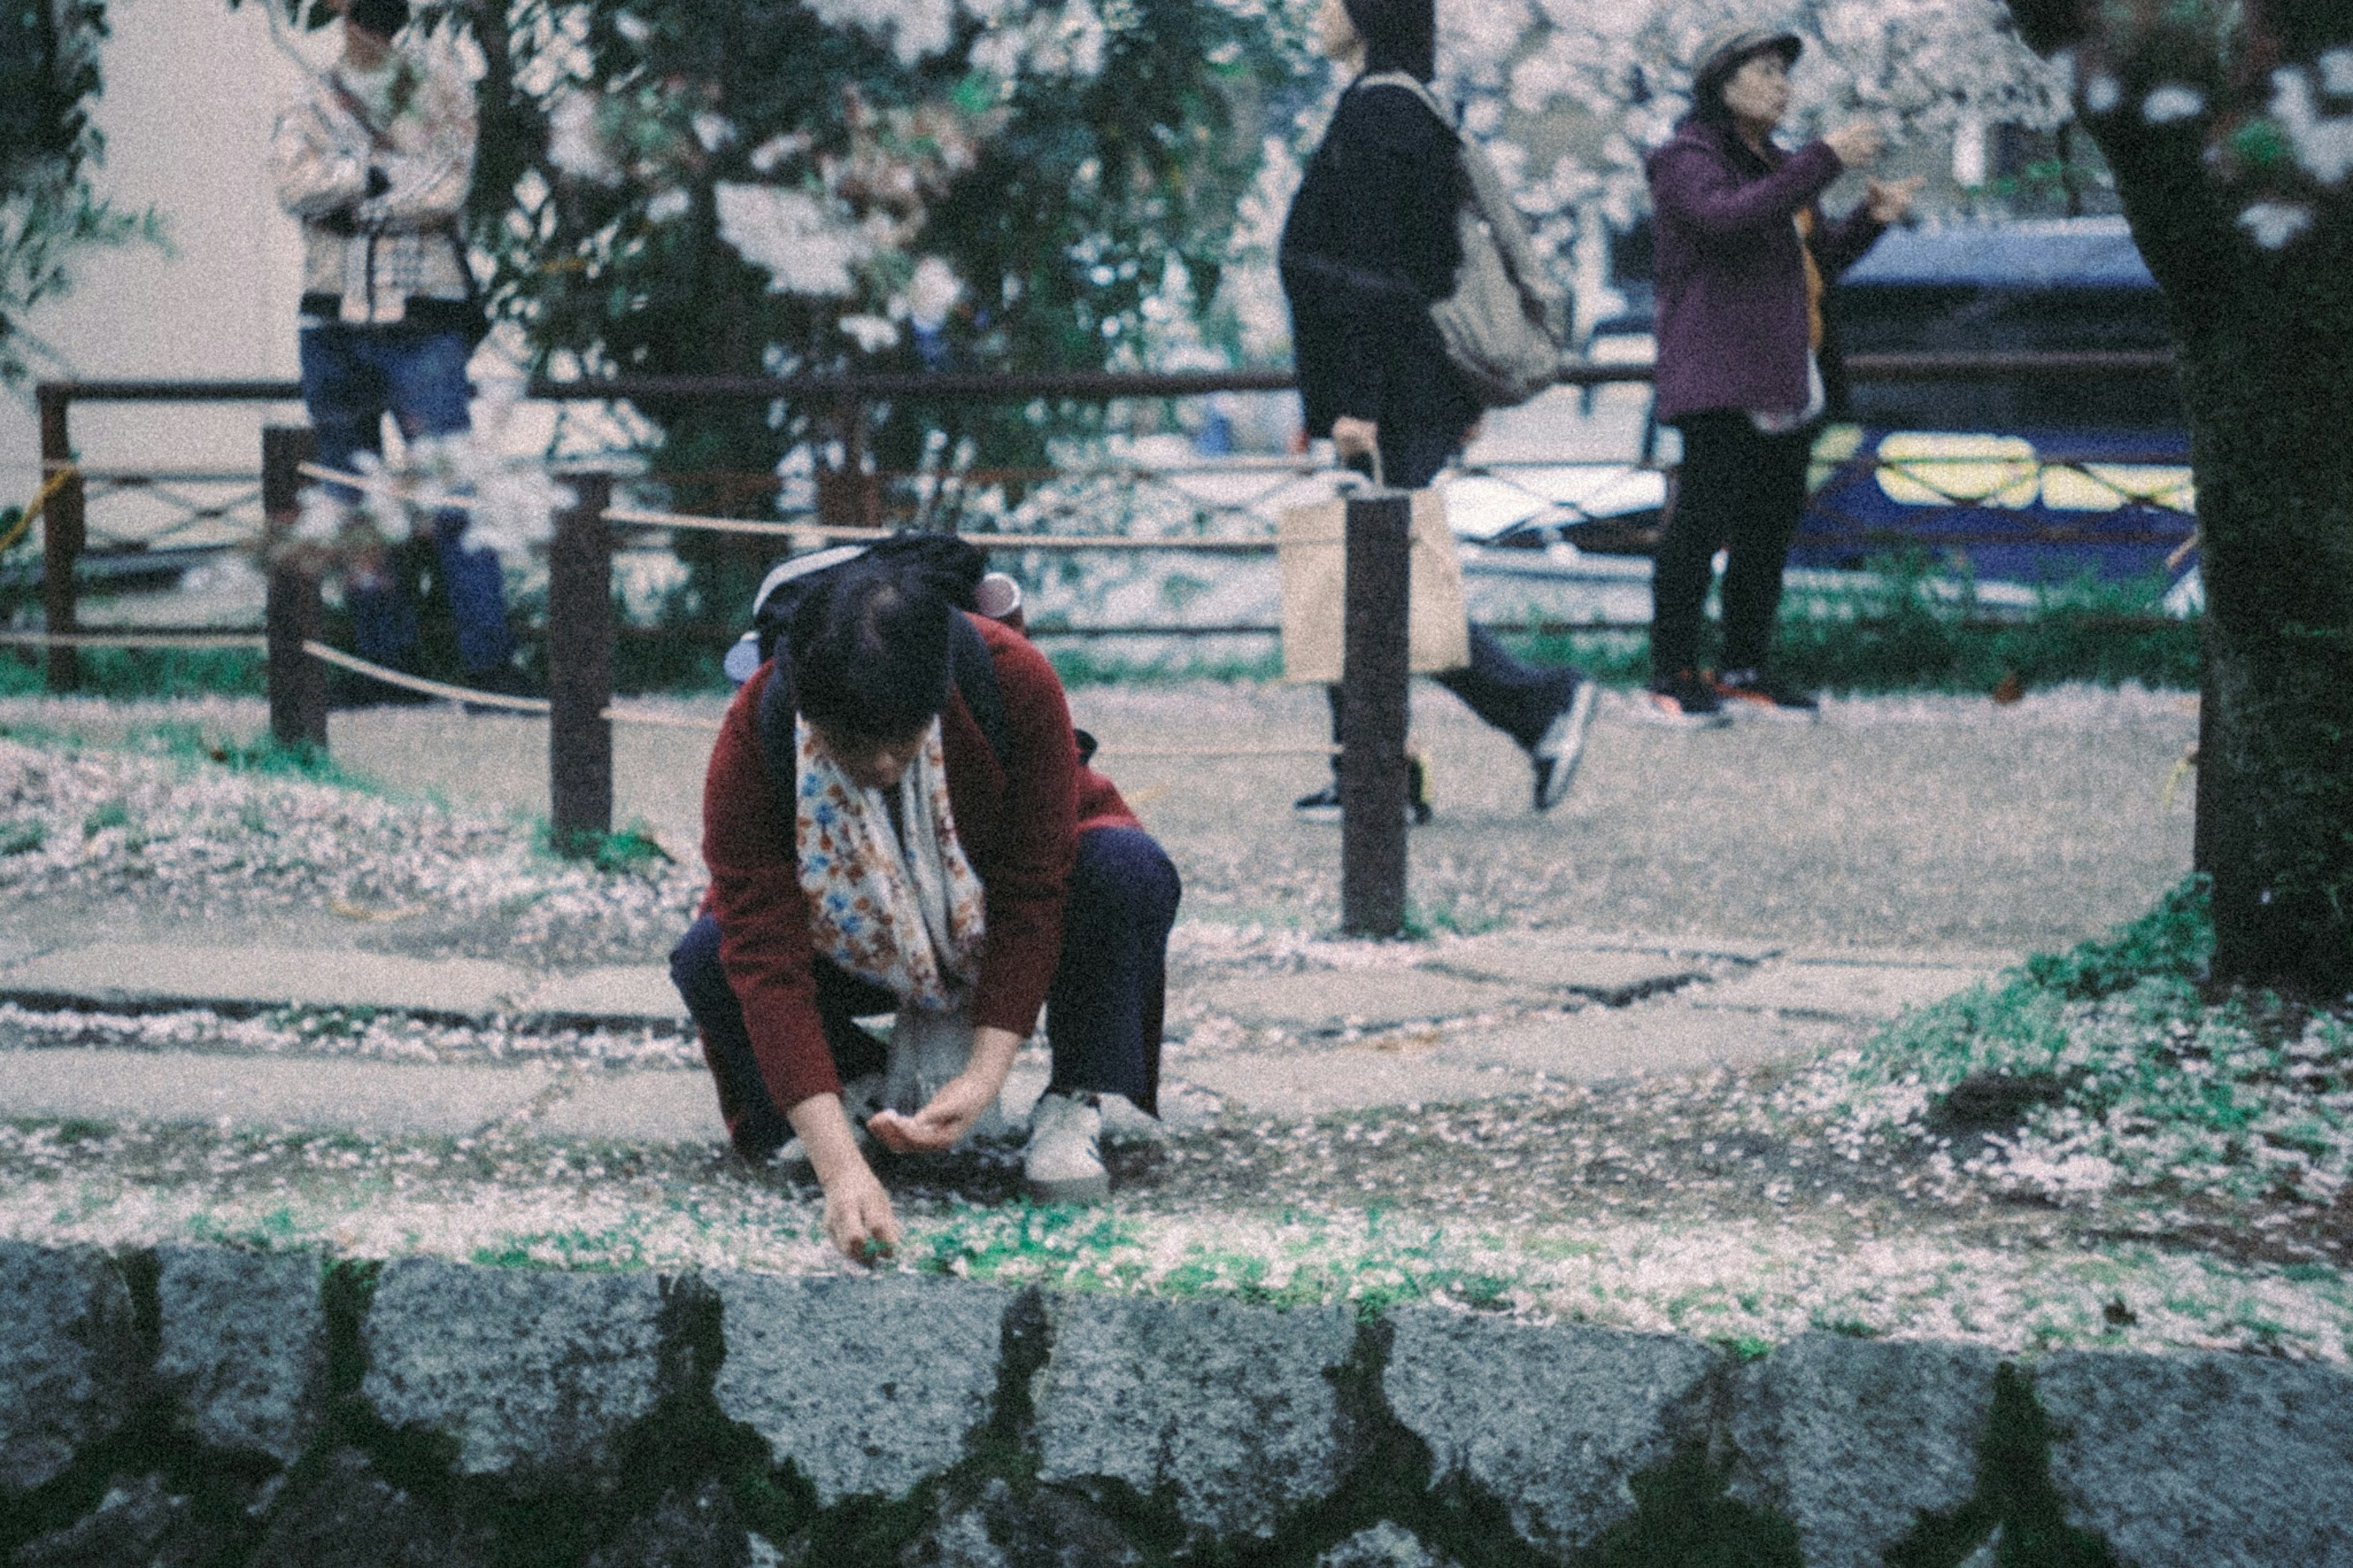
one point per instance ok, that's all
(378, 194)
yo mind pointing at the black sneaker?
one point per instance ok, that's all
(1556, 752)
(1324, 806)
(1751, 694)
(1682, 701)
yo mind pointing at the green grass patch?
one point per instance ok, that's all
(124, 673)
(627, 851)
(2107, 1060)
(265, 754)
(1909, 634)
(1085, 665)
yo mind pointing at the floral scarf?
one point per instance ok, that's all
(906, 916)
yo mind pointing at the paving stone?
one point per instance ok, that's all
(1838, 990)
(627, 993)
(985, 1525)
(1384, 1545)
(699, 1531)
(261, 1091)
(1364, 998)
(866, 1386)
(137, 1522)
(68, 1358)
(1534, 958)
(1553, 1421)
(638, 1108)
(2203, 1461)
(1594, 1044)
(1344, 1078)
(142, 975)
(1853, 1439)
(1977, 958)
(245, 1346)
(353, 1518)
(1232, 1408)
(535, 1372)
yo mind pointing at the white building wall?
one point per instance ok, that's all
(191, 90)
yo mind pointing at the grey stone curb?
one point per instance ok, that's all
(1240, 1422)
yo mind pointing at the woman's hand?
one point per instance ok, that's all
(1857, 143)
(1353, 437)
(858, 1217)
(961, 1102)
(1890, 201)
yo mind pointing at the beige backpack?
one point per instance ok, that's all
(1507, 324)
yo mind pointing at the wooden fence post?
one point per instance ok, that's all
(62, 533)
(1374, 669)
(580, 667)
(297, 682)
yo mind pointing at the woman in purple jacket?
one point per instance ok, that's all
(1744, 255)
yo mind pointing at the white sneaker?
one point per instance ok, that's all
(1063, 1164)
(1124, 1121)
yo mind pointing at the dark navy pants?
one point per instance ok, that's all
(1102, 1012)
(1516, 698)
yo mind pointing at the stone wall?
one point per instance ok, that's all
(197, 1406)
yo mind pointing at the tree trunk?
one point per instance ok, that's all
(2266, 343)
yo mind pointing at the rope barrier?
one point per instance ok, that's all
(640, 518)
(133, 639)
(319, 650)
(48, 493)
(396, 489)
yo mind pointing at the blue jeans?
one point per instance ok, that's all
(352, 378)
(1102, 1013)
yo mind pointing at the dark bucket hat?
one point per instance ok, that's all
(1725, 51)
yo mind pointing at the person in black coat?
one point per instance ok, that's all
(1369, 243)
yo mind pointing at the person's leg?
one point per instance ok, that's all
(1758, 545)
(1710, 493)
(425, 381)
(345, 394)
(1103, 1011)
(755, 1122)
(1520, 700)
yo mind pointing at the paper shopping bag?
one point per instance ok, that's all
(1310, 540)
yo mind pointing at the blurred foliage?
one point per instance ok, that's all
(48, 78)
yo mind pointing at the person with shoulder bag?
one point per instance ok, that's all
(1745, 361)
(1373, 241)
(375, 155)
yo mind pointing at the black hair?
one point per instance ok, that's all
(382, 18)
(1399, 35)
(868, 647)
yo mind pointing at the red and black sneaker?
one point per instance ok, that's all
(1752, 694)
(1682, 701)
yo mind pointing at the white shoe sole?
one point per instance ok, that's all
(1740, 710)
(1564, 742)
(1090, 1189)
(1648, 711)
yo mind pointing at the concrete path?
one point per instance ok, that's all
(1468, 1020)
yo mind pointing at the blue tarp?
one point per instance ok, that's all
(2054, 253)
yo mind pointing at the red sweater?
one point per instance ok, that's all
(1020, 832)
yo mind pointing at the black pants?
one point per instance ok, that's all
(1518, 699)
(1741, 492)
(1102, 1012)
